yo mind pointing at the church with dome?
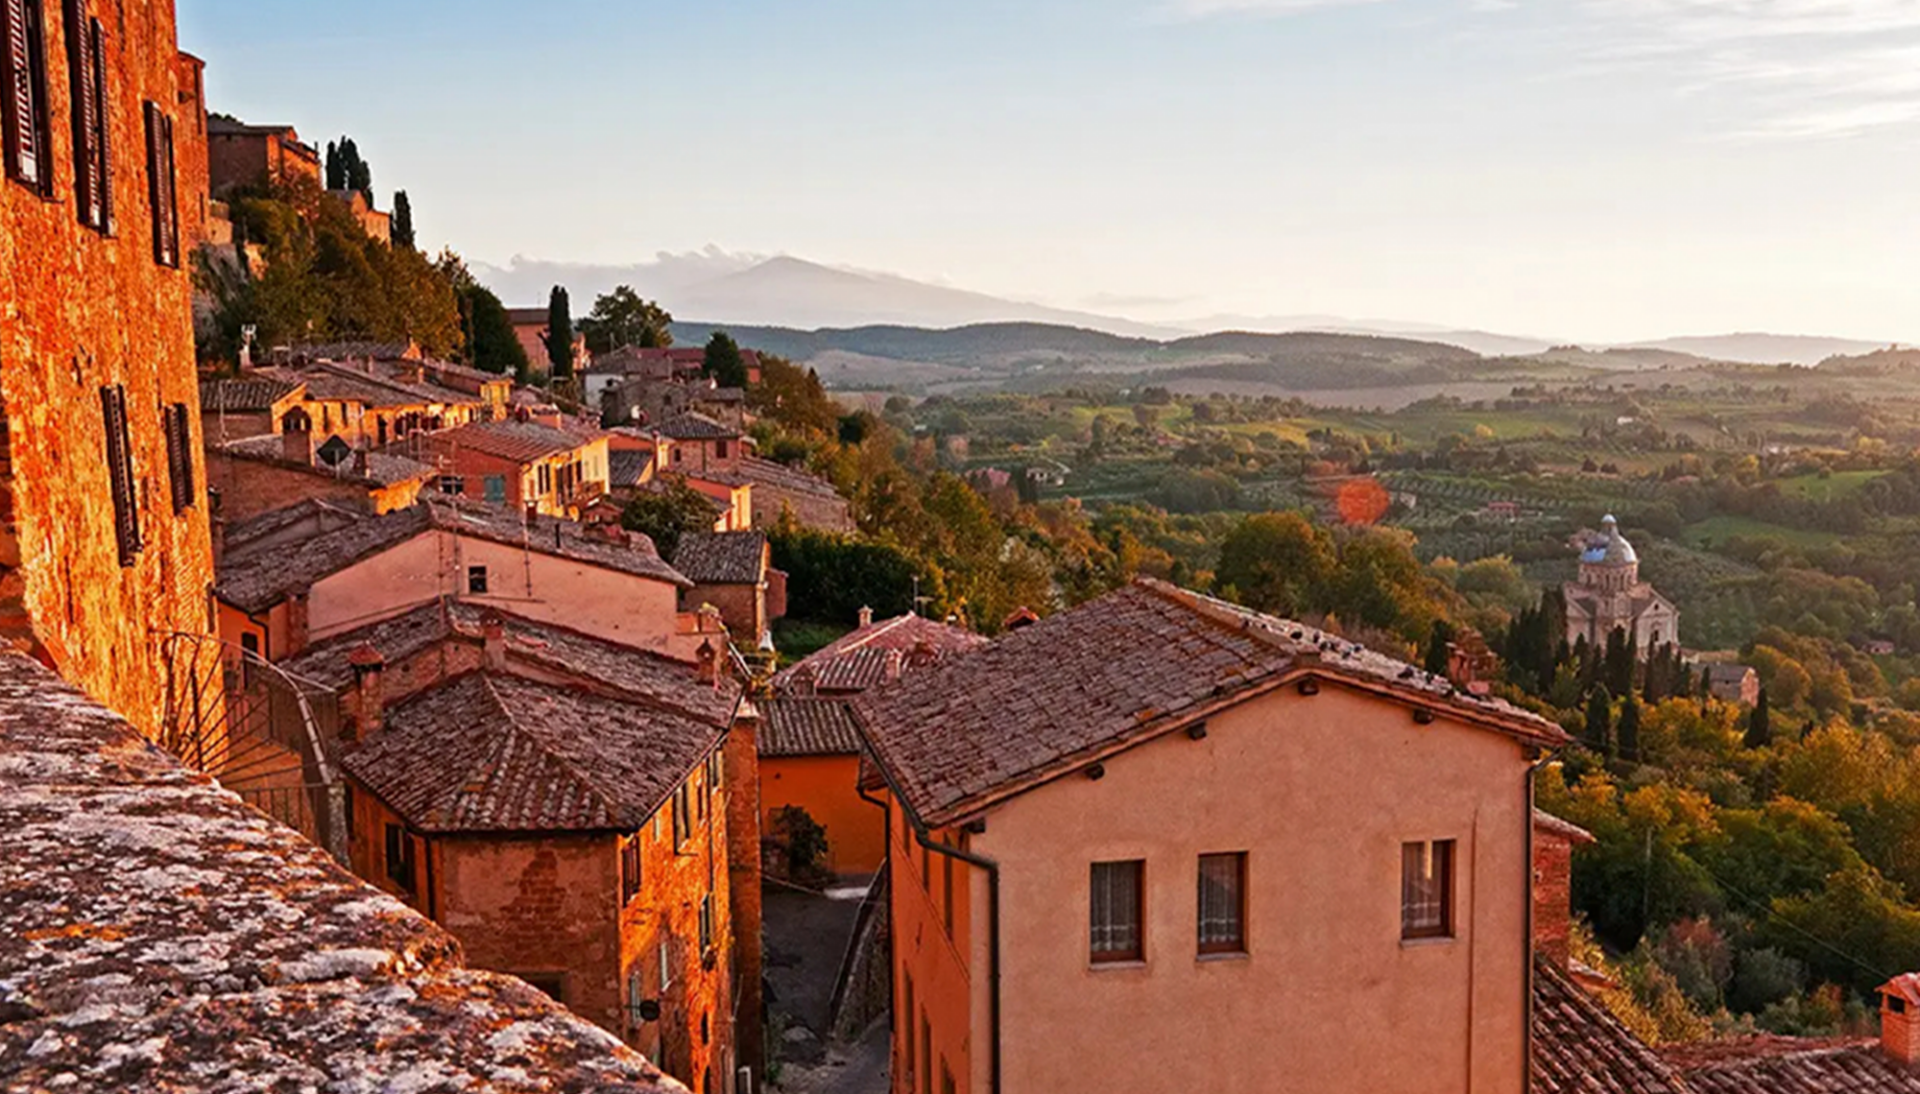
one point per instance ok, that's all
(1609, 596)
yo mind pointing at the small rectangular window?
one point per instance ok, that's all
(1116, 911)
(720, 450)
(126, 500)
(85, 97)
(706, 923)
(23, 68)
(178, 427)
(665, 957)
(629, 869)
(496, 489)
(452, 485)
(1223, 903)
(400, 857)
(477, 580)
(682, 816)
(1426, 889)
(554, 984)
(906, 1024)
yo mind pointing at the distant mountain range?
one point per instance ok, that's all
(757, 292)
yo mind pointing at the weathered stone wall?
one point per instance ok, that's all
(742, 608)
(250, 487)
(79, 311)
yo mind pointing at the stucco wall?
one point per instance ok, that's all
(79, 310)
(936, 963)
(827, 788)
(1320, 792)
(251, 487)
(627, 608)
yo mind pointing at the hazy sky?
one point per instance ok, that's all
(1599, 169)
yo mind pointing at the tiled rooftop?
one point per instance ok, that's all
(383, 468)
(1581, 1048)
(247, 394)
(691, 426)
(493, 752)
(806, 727)
(1788, 1065)
(643, 674)
(779, 475)
(1115, 671)
(627, 467)
(519, 441)
(162, 936)
(858, 659)
(721, 558)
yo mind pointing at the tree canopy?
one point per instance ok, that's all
(622, 318)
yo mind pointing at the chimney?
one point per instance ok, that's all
(360, 463)
(493, 637)
(895, 664)
(866, 618)
(708, 660)
(369, 693)
(296, 446)
(1900, 1019)
(923, 654)
(1553, 843)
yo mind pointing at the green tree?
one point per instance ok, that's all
(667, 514)
(1437, 656)
(1277, 562)
(622, 318)
(793, 398)
(491, 342)
(1759, 727)
(1626, 732)
(723, 362)
(402, 220)
(559, 333)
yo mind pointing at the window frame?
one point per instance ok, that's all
(400, 866)
(177, 424)
(122, 483)
(162, 186)
(1440, 872)
(28, 154)
(1137, 953)
(632, 869)
(1238, 943)
(682, 816)
(478, 582)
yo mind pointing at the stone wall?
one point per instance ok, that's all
(80, 310)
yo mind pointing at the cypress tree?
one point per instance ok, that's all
(560, 333)
(1627, 733)
(1759, 728)
(336, 168)
(1600, 721)
(1436, 660)
(723, 362)
(402, 220)
(359, 176)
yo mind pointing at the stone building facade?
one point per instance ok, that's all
(1609, 596)
(104, 543)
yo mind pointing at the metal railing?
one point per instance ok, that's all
(268, 736)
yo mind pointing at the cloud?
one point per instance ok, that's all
(525, 280)
(1785, 69)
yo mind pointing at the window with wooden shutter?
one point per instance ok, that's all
(103, 121)
(126, 507)
(179, 430)
(23, 67)
(160, 187)
(86, 63)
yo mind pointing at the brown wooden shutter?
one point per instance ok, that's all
(126, 509)
(23, 68)
(179, 432)
(160, 187)
(103, 120)
(86, 129)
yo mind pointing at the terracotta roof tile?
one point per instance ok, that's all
(722, 558)
(1785, 1065)
(162, 936)
(1105, 675)
(522, 442)
(383, 468)
(492, 752)
(627, 467)
(807, 727)
(1581, 1048)
(692, 426)
(779, 476)
(244, 394)
(857, 660)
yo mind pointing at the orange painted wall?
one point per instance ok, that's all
(826, 787)
(934, 961)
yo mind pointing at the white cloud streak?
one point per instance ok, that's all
(1788, 69)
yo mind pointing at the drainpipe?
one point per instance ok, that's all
(1526, 940)
(992, 870)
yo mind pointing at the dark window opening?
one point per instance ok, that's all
(1426, 889)
(477, 580)
(1223, 903)
(400, 857)
(706, 923)
(682, 816)
(452, 484)
(554, 984)
(126, 502)
(1116, 911)
(629, 870)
